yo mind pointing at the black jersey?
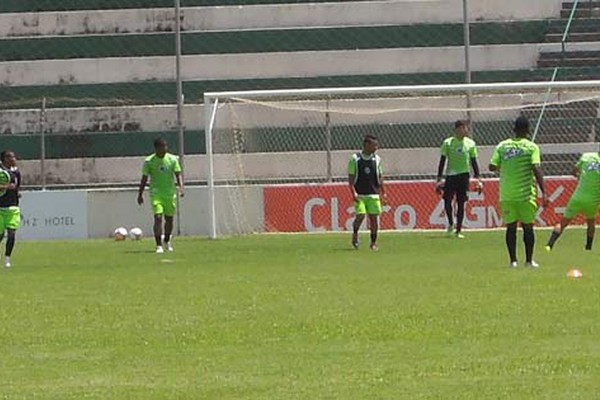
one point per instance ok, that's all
(367, 173)
(11, 197)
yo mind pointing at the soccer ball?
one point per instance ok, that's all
(574, 273)
(135, 233)
(120, 234)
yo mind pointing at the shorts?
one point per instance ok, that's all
(164, 205)
(368, 205)
(522, 211)
(457, 185)
(10, 218)
(577, 206)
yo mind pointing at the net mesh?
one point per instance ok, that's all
(297, 149)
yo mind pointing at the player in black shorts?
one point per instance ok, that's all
(461, 153)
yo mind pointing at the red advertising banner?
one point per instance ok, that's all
(411, 205)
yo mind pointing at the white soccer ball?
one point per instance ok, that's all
(120, 233)
(135, 233)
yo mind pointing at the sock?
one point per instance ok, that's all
(553, 238)
(588, 243)
(10, 244)
(167, 238)
(511, 243)
(460, 215)
(158, 240)
(373, 237)
(529, 240)
(449, 211)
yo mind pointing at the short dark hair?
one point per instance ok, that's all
(369, 138)
(4, 154)
(461, 122)
(159, 142)
(521, 124)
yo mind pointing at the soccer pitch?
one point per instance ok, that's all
(299, 317)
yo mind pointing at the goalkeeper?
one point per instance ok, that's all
(461, 153)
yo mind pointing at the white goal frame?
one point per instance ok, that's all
(212, 100)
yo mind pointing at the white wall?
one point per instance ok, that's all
(268, 65)
(108, 209)
(274, 16)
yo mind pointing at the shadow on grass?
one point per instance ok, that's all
(139, 251)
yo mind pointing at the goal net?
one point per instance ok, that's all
(277, 160)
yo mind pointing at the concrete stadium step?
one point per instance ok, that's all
(571, 59)
(280, 40)
(586, 25)
(152, 92)
(584, 4)
(593, 12)
(574, 37)
(15, 6)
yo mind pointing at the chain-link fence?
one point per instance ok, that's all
(87, 86)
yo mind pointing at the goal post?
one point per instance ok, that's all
(276, 159)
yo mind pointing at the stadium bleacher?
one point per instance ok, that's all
(132, 66)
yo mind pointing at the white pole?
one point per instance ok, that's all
(467, 40)
(210, 113)
(180, 136)
(43, 144)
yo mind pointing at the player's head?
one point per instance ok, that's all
(160, 146)
(8, 158)
(521, 128)
(370, 144)
(461, 128)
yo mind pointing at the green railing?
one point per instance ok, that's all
(563, 47)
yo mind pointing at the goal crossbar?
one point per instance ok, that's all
(462, 87)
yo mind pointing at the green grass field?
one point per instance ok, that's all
(299, 317)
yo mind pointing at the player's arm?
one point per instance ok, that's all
(495, 162)
(440, 173)
(476, 173)
(536, 162)
(143, 183)
(539, 178)
(180, 186)
(352, 171)
(381, 184)
(351, 180)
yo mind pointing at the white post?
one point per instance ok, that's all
(180, 136)
(43, 144)
(210, 113)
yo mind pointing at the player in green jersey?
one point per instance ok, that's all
(10, 212)
(518, 161)
(461, 153)
(164, 172)
(365, 179)
(584, 200)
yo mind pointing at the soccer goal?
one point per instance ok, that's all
(277, 160)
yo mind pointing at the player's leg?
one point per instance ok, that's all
(557, 231)
(169, 213)
(461, 199)
(12, 223)
(449, 192)
(158, 210)
(591, 231)
(360, 210)
(10, 245)
(527, 212)
(509, 216)
(374, 210)
(573, 208)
